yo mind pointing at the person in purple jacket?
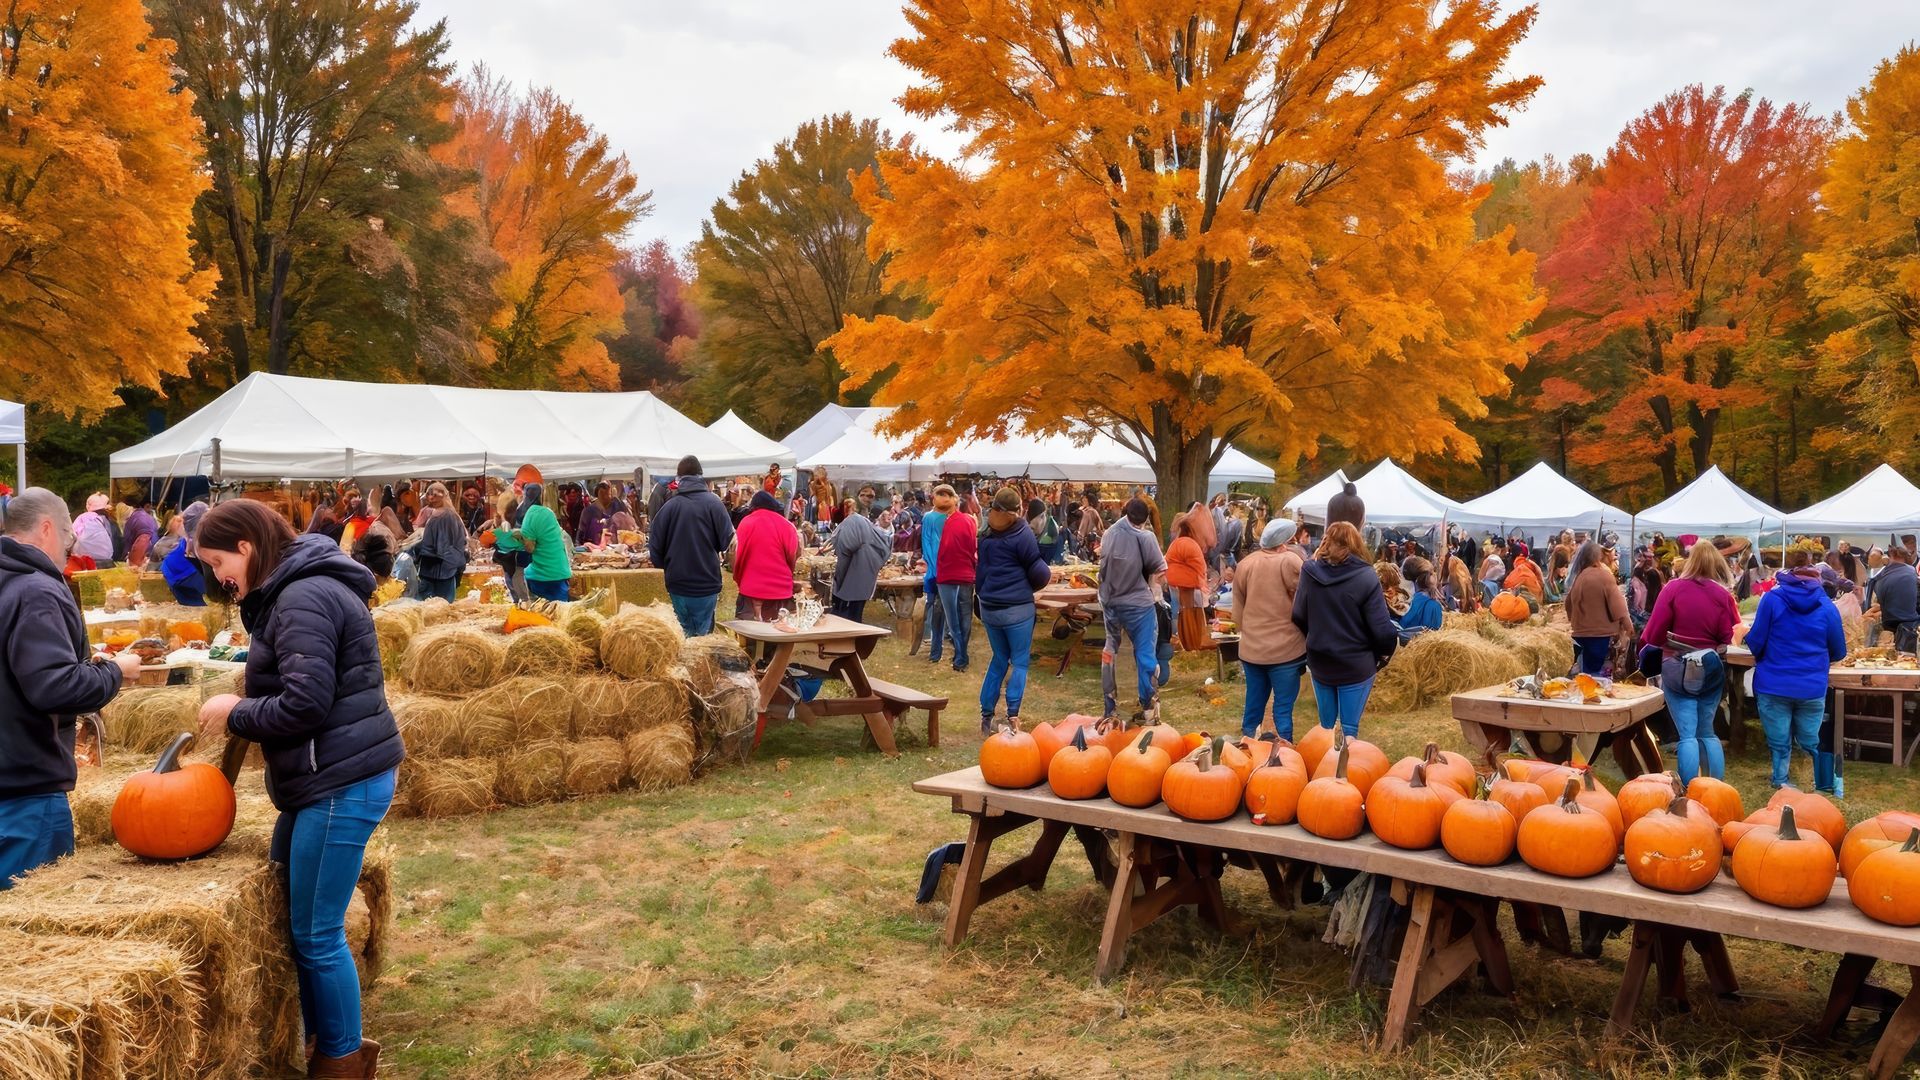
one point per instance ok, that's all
(1011, 569)
(1796, 637)
(1695, 613)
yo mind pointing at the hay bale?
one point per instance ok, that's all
(32, 1052)
(641, 643)
(119, 1008)
(1542, 648)
(535, 774)
(710, 658)
(454, 660)
(542, 650)
(450, 786)
(98, 786)
(1440, 663)
(661, 757)
(145, 720)
(584, 626)
(395, 628)
(604, 706)
(517, 713)
(436, 612)
(430, 726)
(376, 897)
(595, 766)
(722, 693)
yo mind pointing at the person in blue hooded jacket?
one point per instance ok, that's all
(317, 706)
(1796, 636)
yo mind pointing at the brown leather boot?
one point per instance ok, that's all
(359, 1065)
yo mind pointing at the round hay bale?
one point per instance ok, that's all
(595, 766)
(517, 713)
(454, 660)
(449, 787)
(535, 774)
(394, 630)
(608, 706)
(146, 720)
(542, 650)
(710, 658)
(661, 757)
(430, 726)
(584, 626)
(1541, 648)
(436, 611)
(641, 643)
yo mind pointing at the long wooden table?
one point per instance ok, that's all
(831, 647)
(1489, 721)
(1169, 863)
(901, 595)
(1893, 683)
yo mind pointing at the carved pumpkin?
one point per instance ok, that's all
(1331, 806)
(1273, 790)
(1595, 796)
(1644, 794)
(1199, 790)
(1135, 776)
(1886, 883)
(1567, 838)
(1407, 813)
(1009, 758)
(1675, 850)
(1443, 767)
(1880, 831)
(1479, 831)
(1079, 770)
(1721, 799)
(1366, 763)
(1520, 797)
(1785, 867)
(174, 811)
(1510, 608)
(1317, 743)
(1815, 812)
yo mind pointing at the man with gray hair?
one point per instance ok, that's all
(50, 678)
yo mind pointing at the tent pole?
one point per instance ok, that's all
(20, 466)
(213, 495)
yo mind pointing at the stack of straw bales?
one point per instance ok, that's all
(1469, 652)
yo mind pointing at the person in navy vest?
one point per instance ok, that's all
(316, 704)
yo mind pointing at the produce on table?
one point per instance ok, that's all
(1786, 867)
(1813, 811)
(1479, 830)
(1079, 770)
(1443, 767)
(1198, 790)
(1567, 838)
(1644, 794)
(1317, 743)
(1009, 758)
(1885, 885)
(1274, 788)
(1366, 763)
(1879, 831)
(1674, 850)
(1407, 813)
(1331, 806)
(1721, 799)
(1595, 796)
(1520, 797)
(1137, 772)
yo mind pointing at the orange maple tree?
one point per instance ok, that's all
(1680, 266)
(1198, 221)
(554, 201)
(99, 169)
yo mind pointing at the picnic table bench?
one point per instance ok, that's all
(1489, 720)
(835, 647)
(1452, 927)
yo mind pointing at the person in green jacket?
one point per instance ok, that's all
(551, 565)
(504, 526)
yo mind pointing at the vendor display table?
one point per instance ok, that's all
(641, 586)
(1489, 721)
(1079, 605)
(833, 647)
(902, 596)
(1451, 927)
(1894, 684)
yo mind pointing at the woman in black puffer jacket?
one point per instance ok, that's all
(317, 705)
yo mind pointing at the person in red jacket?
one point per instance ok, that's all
(953, 574)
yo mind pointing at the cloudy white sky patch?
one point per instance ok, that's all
(692, 91)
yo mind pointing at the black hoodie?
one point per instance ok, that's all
(1340, 608)
(689, 534)
(316, 699)
(47, 678)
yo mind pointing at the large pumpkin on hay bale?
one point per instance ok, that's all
(174, 811)
(1510, 608)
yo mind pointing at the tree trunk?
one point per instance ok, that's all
(277, 330)
(1180, 467)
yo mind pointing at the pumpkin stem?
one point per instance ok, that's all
(1787, 830)
(1273, 753)
(170, 757)
(1570, 799)
(1678, 807)
(1203, 757)
(1080, 737)
(1219, 747)
(1913, 841)
(1678, 787)
(1340, 762)
(1146, 741)
(1419, 774)
(1482, 787)
(1431, 754)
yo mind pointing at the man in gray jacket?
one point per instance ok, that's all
(1130, 563)
(860, 549)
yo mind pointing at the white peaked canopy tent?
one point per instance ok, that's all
(1312, 503)
(1393, 498)
(278, 427)
(13, 429)
(1712, 503)
(821, 429)
(741, 434)
(1542, 498)
(1882, 501)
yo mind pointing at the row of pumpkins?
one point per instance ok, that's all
(1787, 854)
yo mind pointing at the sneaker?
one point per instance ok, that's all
(960, 669)
(986, 723)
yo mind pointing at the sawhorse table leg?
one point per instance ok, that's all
(1850, 989)
(1029, 871)
(1195, 880)
(1663, 949)
(1447, 934)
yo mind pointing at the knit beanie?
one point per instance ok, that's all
(1278, 533)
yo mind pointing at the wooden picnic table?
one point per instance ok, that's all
(1452, 925)
(1080, 605)
(1489, 721)
(836, 648)
(1893, 683)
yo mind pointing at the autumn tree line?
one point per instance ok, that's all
(1181, 221)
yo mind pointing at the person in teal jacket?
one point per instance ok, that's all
(551, 565)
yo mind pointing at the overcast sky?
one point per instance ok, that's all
(693, 91)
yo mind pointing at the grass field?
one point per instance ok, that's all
(761, 922)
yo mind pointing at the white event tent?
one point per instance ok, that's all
(741, 434)
(821, 429)
(1393, 498)
(13, 429)
(1883, 501)
(1712, 503)
(279, 427)
(1542, 498)
(1312, 503)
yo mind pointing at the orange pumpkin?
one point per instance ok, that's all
(1331, 806)
(1675, 850)
(1407, 813)
(1520, 797)
(1366, 763)
(1595, 796)
(1545, 773)
(1479, 831)
(190, 632)
(173, 811)
(1510, 608)
(1233, 757)
(1785, 867)
(1009, 758)
(1198, 790)
(1317, 743)
(1079, 771)
(1053, 738)
(1273, 790)
(1644, 794)
(521, 618)
(1192, 741)
(1567, 838)
(1135, 776)
(1721, 799)
(1813, 811)
(1443, 767)
(1165, 736)
(1733, 831)
(1886, 883)
(1879, 831)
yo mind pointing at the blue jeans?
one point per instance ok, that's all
(548, 590)
(956, 607)
(1010, 635)
(444, 588)
(1282, 682)
(323, 846)
(1791, 722)
(695, 613)
(1142, 629)
(1699, 749)
(1592, 653)
(34, 831)
(936, 622)
(1345, 703)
